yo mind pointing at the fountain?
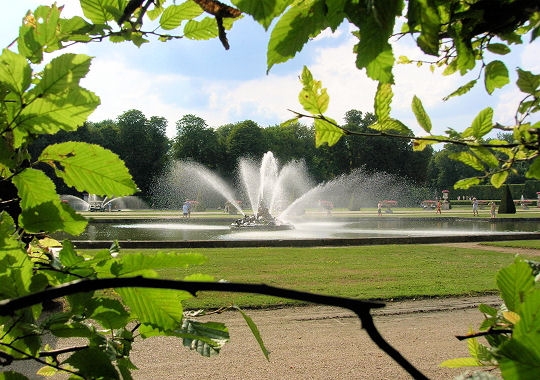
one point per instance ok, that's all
(92, 202)
(277, 196)
(268, 190)
(285, 196)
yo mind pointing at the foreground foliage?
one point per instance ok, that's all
(40, 100)
(512, 331)
(40, 96)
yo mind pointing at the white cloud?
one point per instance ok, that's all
(122, 88)
(126, 83)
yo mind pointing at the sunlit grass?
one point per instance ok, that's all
(532, 244)
(366, 272)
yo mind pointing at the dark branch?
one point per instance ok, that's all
(484, 333)
(411, 138)
(360, 308)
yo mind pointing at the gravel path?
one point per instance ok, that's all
(319, 342)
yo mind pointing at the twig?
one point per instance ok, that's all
(359, 307)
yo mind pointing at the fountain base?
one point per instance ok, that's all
(253, 223)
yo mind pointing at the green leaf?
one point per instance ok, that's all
(8, 237)
(327, 132)
(46, 371)
(207, 338)
(430, 25)
(205, 29)
(486, 156)
(93, 363)
(12, 375)
(90, 168)
(523, 365)
(263, 11)
(461, 90)
(534, 169)
(514, 282)
(101, 11)
(46, 27)
(495, 76)
(313, 97)
(481, 125)
(294, 29)
(373, 52)
(498, 179)
(421, 115)
(466, 183)
(110, 313)
(199, 277)
(173, 15)
(391, 125)
(52, 217)
(34, 188)
(256, 333)
(465, 56)
(16, 268)
(68, 256)
(498, 48)
(529, 323)
(520, 356)
(420, 145)
(158, 308)
(62, 72)
(488, 310)
(383, 101)
(460, 362)
(468, 158)
(528, 82)
(66, 111)
(71, 330)
(380, 68)
(15, 72)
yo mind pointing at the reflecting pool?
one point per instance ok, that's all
(218, 229)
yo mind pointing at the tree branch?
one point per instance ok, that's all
(359, 307)
(405, 137)
(484, 333)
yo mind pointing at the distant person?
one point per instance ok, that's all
(379, 208)
(185, 210)
(438, 208)
(492, 209)
(475, 207)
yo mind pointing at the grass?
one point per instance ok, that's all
(364, 272)
(527, 244)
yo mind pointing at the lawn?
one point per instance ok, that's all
(527, 244)
(365, 272)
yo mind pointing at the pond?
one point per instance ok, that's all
(218, 229)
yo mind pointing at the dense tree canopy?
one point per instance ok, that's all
(196, 141)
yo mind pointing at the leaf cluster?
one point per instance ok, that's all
(39, 97)
(512, 331)
(458, 35)
(107, 323)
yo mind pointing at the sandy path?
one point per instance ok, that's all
(319, 342)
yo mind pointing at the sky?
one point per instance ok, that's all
(221, 86)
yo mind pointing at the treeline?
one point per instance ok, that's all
(147, 151)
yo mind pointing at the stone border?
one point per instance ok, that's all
(333, 242)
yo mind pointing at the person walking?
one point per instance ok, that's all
(475, 207)
(185, 210)
(438, 208)
(492, 209)
(379, 208)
